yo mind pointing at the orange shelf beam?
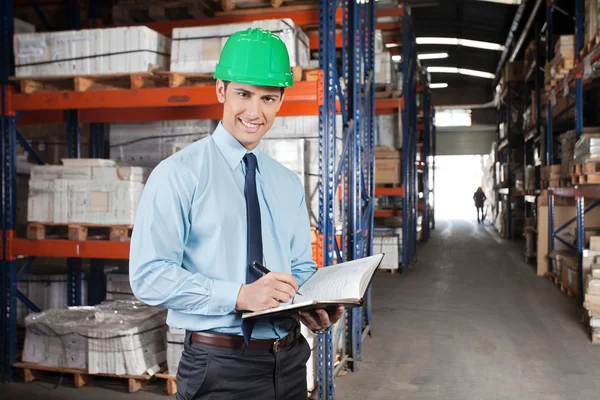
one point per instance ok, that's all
(70, 248)
(141, 98)
(387, 106)
(394, 191)
(388, 213)
(313, 42)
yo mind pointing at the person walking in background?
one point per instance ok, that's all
(479, 198)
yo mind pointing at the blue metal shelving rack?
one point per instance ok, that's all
(410, 70)
(354, 171)
(580, 193)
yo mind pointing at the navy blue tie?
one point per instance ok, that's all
(254, 241)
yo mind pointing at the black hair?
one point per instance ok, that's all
(281, 89)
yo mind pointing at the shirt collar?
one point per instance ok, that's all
(232, 150)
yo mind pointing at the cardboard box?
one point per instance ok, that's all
(595, 243)
(389, 245)
(198, 49)
(90, 52)
(387, 171)
(514, 72)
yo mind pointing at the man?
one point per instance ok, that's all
(211, 210)
(479, 198)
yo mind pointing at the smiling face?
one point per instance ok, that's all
(248, 111)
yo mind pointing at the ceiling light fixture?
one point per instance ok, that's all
(460, 42)
(391, 45)
(396, 58)
(509, 2)
(432, 56)
(438, 85)
(461, 71)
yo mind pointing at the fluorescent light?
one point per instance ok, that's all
(438, 85)
(511, 2)
(391, 45)
(461, 71)
(428, 56)
(432, 56)
(460, 42)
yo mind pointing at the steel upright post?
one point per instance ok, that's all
(355, 101)
(8, 276)
(580, 203)
(426, 150)
(406, 139)
(327, 11)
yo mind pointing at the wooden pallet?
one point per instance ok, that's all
(82, 377)
(171, 381)
(85, 83)
(127, 12)
(305, 74)
(263, 5)
(114, 233)
(563, 288)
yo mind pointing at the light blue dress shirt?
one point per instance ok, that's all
(188, 247)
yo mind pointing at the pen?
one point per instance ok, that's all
(264, 270)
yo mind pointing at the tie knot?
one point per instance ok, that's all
(250, 160)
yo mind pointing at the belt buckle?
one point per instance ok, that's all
(276, 344)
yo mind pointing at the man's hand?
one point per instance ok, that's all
(320, 319)
(268, 292)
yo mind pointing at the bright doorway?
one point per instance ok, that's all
(456, 180)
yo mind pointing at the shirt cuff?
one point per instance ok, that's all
(223, 297)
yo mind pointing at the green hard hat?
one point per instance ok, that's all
(255, 57)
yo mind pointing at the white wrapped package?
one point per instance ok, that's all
(46, 292)
(146, 144)
(198, 49)
(90, 52)
(85, 194)
(120, 337)
(175, 341)
(587, 148)
(387, 132)
(118, 287)
(305, 127)
(56, 337)
(383, 68)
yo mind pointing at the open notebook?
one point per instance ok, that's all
(342, 284)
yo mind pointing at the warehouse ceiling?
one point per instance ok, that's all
(464, 19)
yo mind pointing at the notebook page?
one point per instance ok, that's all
(341, 281)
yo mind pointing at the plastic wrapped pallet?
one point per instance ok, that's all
(198, 49)
(383, 68)
(23, 27)
(305, 127)
(146, 144)
(301, 156)
(389, 245)
(118, 287)
(46, 292)
(587, 148)
(97, 192)
(175, 342)
(567, 145)
(311, 364)
(90, 52)
(121, 337)
(388, 132)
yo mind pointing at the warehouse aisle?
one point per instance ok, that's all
(473, 322)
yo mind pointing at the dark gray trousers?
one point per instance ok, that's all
(207, 372)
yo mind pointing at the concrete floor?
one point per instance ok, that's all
(471, 321)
